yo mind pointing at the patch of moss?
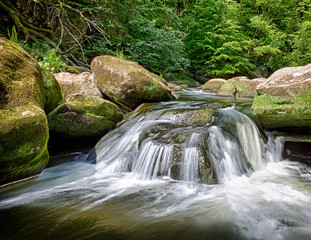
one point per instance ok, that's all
(73, 124)
(20, 75)
(198, 117)
(84, 115)
(23, 138)
(97, 106)
(274, 112)
(53, 93)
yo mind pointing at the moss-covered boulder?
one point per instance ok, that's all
(53, 93)
(213, 85)
(127, 83)
(275, 112)
(23, 123)
(82, 83)
(200, 117)
(284, 99)
(84, 116)
(240, 87)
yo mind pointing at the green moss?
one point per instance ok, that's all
(74, 124)
(23, 139)
(242, 88)
(20, 75)
(53, 93)
(84, 115)
(97, 106)
(274, 112)
(228, 87)
(198, 117)
(152, 92)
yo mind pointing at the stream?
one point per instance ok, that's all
(156, 176)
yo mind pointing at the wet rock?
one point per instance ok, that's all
(23, 123)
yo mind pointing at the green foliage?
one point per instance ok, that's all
(216, 44)
(174, 38)
(52, 62)
(159, 49)
(13, 35)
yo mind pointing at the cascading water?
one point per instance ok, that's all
(234, 146)
(164, 173)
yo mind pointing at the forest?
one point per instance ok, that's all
(177, 39)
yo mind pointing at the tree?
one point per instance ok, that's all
(216, 43)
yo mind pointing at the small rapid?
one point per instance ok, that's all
(161, 144)
(164, 173)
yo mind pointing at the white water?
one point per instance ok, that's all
(130, 192)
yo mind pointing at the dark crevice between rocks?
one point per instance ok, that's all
(298, 151)
(64, 149)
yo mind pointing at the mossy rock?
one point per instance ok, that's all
(20, 77)
(200, 117)
(275, 112)
(213, 85)
(127, 83)
(23, 123)
(240, 87)
(53, 92)
(23, 142)
(84, 116)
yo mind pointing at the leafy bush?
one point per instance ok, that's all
(159, 49)
(52, 62)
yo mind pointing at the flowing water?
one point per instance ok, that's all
(158, 176)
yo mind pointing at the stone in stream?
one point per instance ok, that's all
(284, 99)
(213, 85)
(240, 87)
(184, 123)
(127, 83)
(23, 123)
(84, 116)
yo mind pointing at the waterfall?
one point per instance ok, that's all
(156, 145)
(190, 168)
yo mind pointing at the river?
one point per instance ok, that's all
(155, 177)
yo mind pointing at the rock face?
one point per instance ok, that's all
(287, 83)
(174, 87)
(284, 99)
(240, 87)
(213, 85)
(53, 93)
(23, 123)
(84, 116)
(127, 83)
(82, 83)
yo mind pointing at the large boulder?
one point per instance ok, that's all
(213, 85)
(127, 83)
(82, 83)
(23, 123)
(284, 99)
(84, 116)
(287, 83)
(240, 87)
(53, 93)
